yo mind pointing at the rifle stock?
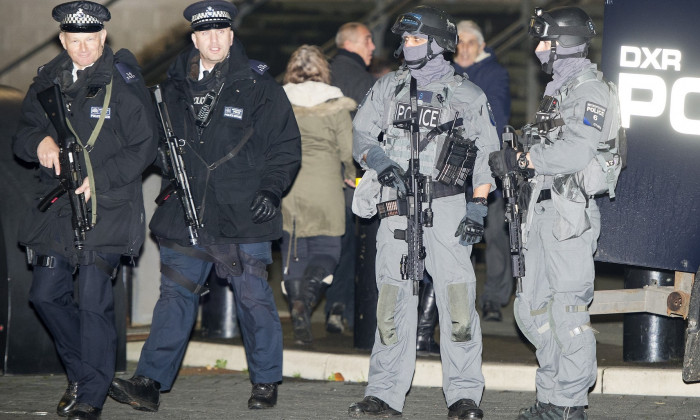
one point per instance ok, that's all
(71, 177)
(175, 168)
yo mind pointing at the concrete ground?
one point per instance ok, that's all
(323, 379)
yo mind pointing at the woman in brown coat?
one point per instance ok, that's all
(314, 209)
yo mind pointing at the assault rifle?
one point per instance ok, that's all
(513, 213)
(71, 176)
(174, 165)
(419, 189)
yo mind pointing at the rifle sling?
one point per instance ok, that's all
(87, 147)
(230, 155)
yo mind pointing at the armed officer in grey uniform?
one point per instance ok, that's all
(452, 112)
(577, 120)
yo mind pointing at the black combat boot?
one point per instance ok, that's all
(67, 401)
(545, 411)
(372, 406)
(465, 409)
(299, 312)
(263, 396)
(427, 319)
(315, 286)
(140, 392)
(491, 312)
(83, 411)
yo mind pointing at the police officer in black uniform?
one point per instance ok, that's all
(242, 149)
(109, 111)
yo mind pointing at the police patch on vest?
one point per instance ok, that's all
(95, 112)
(594, 116)
(231, 112)
(428, 116)
(424, 96)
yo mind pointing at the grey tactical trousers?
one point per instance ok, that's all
(552, 310)
(393, 359)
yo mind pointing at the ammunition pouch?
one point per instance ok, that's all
(456, 161)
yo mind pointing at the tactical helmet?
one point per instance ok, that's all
(429, 21)
(568, 26)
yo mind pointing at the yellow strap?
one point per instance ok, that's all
(91, 142)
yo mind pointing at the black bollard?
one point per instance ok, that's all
(651, 338)
(219, 318)
(365, 285)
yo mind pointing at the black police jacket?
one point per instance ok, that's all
(126, 145)
(249, 100)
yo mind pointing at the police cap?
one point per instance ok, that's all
(81, 16)
(210, 14)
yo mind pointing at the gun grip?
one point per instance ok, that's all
(165, 194)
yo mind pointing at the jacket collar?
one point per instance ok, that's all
(352, 56)
(236, 66)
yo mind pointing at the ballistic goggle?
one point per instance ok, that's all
(408, 22)
(540, 27)
(412, 23)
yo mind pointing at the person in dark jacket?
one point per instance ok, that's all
(474, 59)
(349, 72)
(109, 111)
(349, 67)
(241, 152)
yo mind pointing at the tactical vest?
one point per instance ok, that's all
(601, 174)
(434, 107)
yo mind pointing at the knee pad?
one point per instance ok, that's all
(457, 298)
(386, 308)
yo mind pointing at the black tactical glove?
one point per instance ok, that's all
(389, 173)
(503, 161)
(265, 206)
(471, 228)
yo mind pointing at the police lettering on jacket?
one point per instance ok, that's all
(428, 116)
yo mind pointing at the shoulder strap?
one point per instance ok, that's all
(588, 76)
(258, 66)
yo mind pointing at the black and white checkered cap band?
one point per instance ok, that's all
(211, 16)
(80, 18)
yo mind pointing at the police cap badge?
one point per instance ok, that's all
(210, 14)
(81, 16)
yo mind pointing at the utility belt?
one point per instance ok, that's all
(399, 207)
(85, 258)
